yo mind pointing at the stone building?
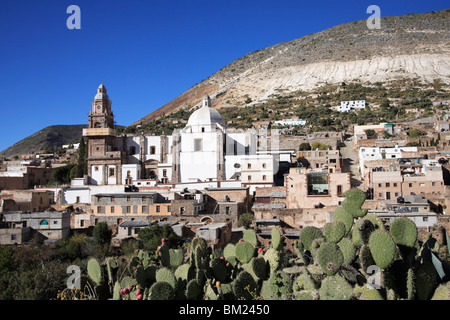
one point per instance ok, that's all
(307, 188)
(25, 200)
(50, 225)
(116, 208)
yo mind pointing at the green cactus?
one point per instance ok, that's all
(410, 284)
(116, 291)
(244, 251)
(307, 236)
(277, 287)
(365, 229)
(365, 258)
(365, 292)
(244, 286)
(330, 258)
(176, 258)
(334, 231)
(145, 276)
(165, 274)
(382, 248)
(185, 272)
(305, 282)
(273, 257)
(354, 199)
(95, 271)
(348, 250)
(276, 239)
(161, 290)
(404, 232)
(376, 221)
(194, 290)
(426, 280)
(340, 214)
(219, 269)
(335, 288)
(250, 236)
(259, 267)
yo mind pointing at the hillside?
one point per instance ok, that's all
(412, 47)
(52, 136)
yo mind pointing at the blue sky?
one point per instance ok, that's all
(146, 52)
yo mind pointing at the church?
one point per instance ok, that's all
(204, 150)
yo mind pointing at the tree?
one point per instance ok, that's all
(82, 155)
(61, 175)
(370, 132)
(245, 220)
(102, 234)
(152, 236)
(305, 146)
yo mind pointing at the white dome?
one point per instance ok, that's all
(205, 115)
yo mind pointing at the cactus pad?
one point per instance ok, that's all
(244, 251)
(161, 290)
(330, 258)
(334, 231)
(382, 248)
(404, 232)
(335, 288)
(307, 236)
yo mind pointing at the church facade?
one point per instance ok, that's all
(204, 150)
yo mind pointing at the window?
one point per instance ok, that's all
(249, 178)
(203, 129)
(227, 210)
(158, 208)
(339, 190)
(112, 209)
(395, 184)
(410, 185)
(433, 184)
(425, 219)
(99, 209)
(144, 209)
(113, 199)
(152, 150)
(388, 196)
(128, 198)
(264, 165)
(132, 150)
(264, 177)
(198, 144)
(78, 199)
(111, 172)
(249, 165)
(169, 208)
(421, 184)
(128, 209)
(144, 198)
(388, 184)
(379, 185)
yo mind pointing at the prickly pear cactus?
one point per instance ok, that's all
(335, 288)
(94, 270)
(250, 236)
(404, 231)
(307, 236)
(334, 231)
(354, 199)
(340, 214)
(382, 248)
(244, 251)
(330, 258)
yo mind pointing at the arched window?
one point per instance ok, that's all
(43, 223)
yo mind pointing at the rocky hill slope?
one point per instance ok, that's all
(406, 47)
(52, 136)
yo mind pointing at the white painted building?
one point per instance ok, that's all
(378, 153)
(347, 106)
(290, 122)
